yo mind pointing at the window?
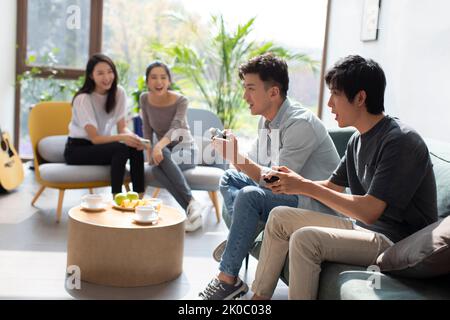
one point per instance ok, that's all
(55, 39)
(58, 36)
(130, 26)
(60, 27)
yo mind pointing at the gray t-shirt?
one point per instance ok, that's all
(391, 162)
(169, 121)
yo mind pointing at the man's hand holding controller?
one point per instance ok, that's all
(269, 176)
(217, 133)
(226, 144)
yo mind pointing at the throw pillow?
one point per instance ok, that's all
(424, 254)
(51, 148)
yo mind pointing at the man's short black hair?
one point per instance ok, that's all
(272, 70)
(353, 74)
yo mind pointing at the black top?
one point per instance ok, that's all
(391, 162)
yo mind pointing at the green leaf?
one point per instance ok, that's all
(31, 59)
(209, 71)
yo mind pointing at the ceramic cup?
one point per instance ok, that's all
(146, 213)
(93, 201)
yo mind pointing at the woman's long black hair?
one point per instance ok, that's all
(89, 84)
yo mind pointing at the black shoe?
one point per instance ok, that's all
(218, 290)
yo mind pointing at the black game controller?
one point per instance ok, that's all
(217, 133)
(272, 179)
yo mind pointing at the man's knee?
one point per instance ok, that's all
(278, 214)
(251, 194)
(227, 178)
(246, 198)
(277, 218)
(306, 240)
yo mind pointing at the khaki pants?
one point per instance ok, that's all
(310, 238)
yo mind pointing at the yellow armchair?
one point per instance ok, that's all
(52, 119)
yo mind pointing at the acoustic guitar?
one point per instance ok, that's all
(11, 169)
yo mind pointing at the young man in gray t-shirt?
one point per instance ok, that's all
(388, 170)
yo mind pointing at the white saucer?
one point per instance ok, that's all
(84, 206)
(145, 221)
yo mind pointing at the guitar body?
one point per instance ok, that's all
(11, 169)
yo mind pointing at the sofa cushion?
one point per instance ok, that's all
(424, 254)
(63, 173)
(199, 178)
(51, 148)
(347, 282)
(440, 156)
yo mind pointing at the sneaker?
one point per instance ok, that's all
(218, 290)
(194, 210)
(191, 226)
(218, 251)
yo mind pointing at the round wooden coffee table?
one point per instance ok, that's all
(111, 249)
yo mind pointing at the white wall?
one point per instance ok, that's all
(413, 48)
(8, 63)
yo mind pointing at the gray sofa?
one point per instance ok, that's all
(347, 282)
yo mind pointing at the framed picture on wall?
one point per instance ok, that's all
(369, 26)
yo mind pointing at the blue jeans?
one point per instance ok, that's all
(248, 204)
(170, 175)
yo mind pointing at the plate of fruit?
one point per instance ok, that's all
(127, 201)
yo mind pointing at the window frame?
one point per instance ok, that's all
(323, 65)
(95, 45)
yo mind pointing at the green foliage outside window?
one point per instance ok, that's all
(211, 68)
(54, 89)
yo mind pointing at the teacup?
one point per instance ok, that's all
(146, 213)
(93, 201)
(155, 202)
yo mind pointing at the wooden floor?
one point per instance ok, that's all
(33, 251)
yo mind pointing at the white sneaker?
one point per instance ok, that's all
(191, 226)
(194, 210)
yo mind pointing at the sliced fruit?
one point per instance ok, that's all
(125, 203)
(134, 203)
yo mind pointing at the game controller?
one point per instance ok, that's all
(272, 179)
(217, 133)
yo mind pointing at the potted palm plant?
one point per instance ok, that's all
(211, 68)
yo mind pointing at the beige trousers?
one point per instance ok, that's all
(310, 238)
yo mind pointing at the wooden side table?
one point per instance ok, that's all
(111, 249)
